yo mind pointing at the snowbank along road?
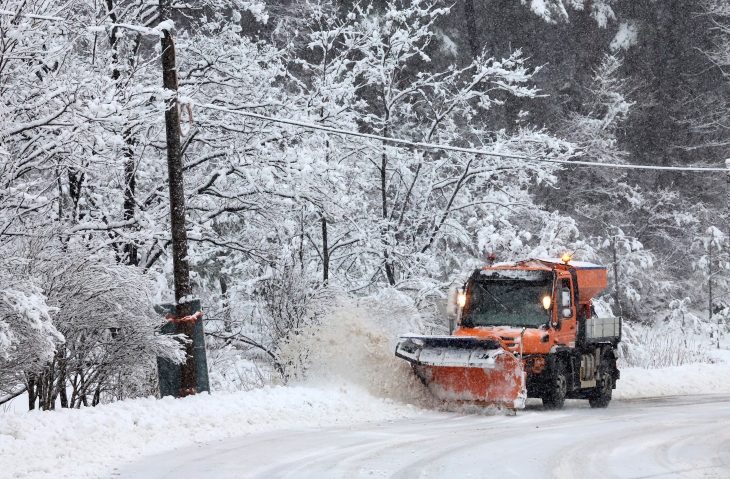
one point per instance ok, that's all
(665, 438)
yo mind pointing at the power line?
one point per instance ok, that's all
(476, 151)
(30, 15)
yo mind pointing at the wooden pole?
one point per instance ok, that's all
(616, 293)
(181, 268)
(727, 223)
(709, 287)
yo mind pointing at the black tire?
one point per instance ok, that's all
(557, 388)
(602, 394)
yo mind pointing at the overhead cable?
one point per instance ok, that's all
(475, 151)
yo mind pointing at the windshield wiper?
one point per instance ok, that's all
(495, 298)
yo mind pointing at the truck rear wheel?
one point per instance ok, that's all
(557, 388)
(603, 391)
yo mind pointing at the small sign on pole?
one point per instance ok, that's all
(168, 372)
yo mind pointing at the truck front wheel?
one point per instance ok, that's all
(554, 396)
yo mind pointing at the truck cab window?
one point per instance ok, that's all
(507, 302)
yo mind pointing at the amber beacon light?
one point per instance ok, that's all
(566, 258)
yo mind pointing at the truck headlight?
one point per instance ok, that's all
(547, 301)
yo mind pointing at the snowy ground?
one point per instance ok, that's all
(674, 381)
(671, 438)
(92, 442)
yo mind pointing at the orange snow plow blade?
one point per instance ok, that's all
(466, 369)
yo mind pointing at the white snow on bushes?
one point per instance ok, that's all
(683, 380)
(90, 442)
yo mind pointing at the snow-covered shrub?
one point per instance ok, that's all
(106, 340)
(28, 338)
(680, 337)
(661, 346)
(674, 338)
(248, 324)
(234, 369)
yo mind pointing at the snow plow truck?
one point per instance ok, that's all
(523, 329)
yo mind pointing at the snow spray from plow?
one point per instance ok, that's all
(351, 348)
(465, 369)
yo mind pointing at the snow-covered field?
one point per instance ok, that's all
(91, 442)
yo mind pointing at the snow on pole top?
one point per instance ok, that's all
(165, 25)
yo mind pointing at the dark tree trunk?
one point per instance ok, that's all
(97, 396)
(389, 269)
(46, 389)
(32, 391)
(52, 388)
(61, 383)
(471, 27)
(181, 268)
(113, 39)
(130, 182)
(301, 241)
(41, 391)
(75, 182)
(325, 253)
(62, 394)
(130, 249)
(226, 313)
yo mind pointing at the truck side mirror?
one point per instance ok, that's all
(565, 300)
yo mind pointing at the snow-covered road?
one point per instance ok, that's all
(676, 437)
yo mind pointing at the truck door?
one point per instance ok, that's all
(566, 310)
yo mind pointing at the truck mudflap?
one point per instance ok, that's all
(466, 369)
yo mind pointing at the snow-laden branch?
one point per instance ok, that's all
(91, 226)
(158, 31)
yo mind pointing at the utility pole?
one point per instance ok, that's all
(727, 223)
(616, 292)
(181, 269)
(709, 287)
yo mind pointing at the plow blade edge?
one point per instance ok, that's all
(465, 369)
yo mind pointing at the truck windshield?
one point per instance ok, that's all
(507, 302)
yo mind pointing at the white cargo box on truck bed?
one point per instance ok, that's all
(603, 328)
